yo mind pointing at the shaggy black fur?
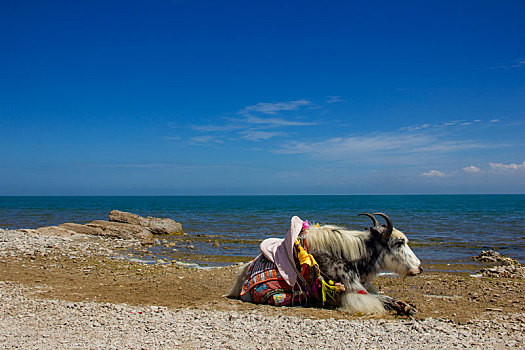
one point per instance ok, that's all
(357, 275)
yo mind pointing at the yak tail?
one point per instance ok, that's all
(235, 292)
(362, 303)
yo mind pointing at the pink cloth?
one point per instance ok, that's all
(277, 250)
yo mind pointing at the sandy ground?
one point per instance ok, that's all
(451, 295)
(75, 291)
(61, 289)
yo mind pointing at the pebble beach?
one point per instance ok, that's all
(30, 322)
(30, 318)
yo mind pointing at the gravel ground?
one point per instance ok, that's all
(30, 242)
(29, 321)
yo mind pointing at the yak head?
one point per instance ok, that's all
(396, 254)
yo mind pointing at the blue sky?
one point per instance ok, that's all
(251, 97)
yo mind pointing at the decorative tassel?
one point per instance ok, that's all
(327, 289)
(330, 289)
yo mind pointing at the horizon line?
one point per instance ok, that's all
(255, 195)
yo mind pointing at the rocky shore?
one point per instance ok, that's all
(79, 290)
(121, 225)
(505, 266)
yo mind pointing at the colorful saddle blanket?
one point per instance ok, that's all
(263, 284)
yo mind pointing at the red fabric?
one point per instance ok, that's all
(263, 284)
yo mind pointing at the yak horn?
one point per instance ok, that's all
(371, 217)
(389, 225)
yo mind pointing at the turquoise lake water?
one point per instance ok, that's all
(439, 227)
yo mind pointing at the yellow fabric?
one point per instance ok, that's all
(304, 257)
(327, 289)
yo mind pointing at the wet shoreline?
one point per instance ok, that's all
(448, 228)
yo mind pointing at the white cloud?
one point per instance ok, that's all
(334, 99)
(433, 173)
(428, 126)
(253, 122)
(472, 169)
(452, 123)
(381, 145)
(339, 146)
(258, 135)
(275, 122)
(512, 167)
(518, 63)
(171, 138)
(275, 107)
(205, 139)
(215, 128)
(125, 165)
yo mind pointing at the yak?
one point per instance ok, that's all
(349, 259)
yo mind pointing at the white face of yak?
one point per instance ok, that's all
(400, 258)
